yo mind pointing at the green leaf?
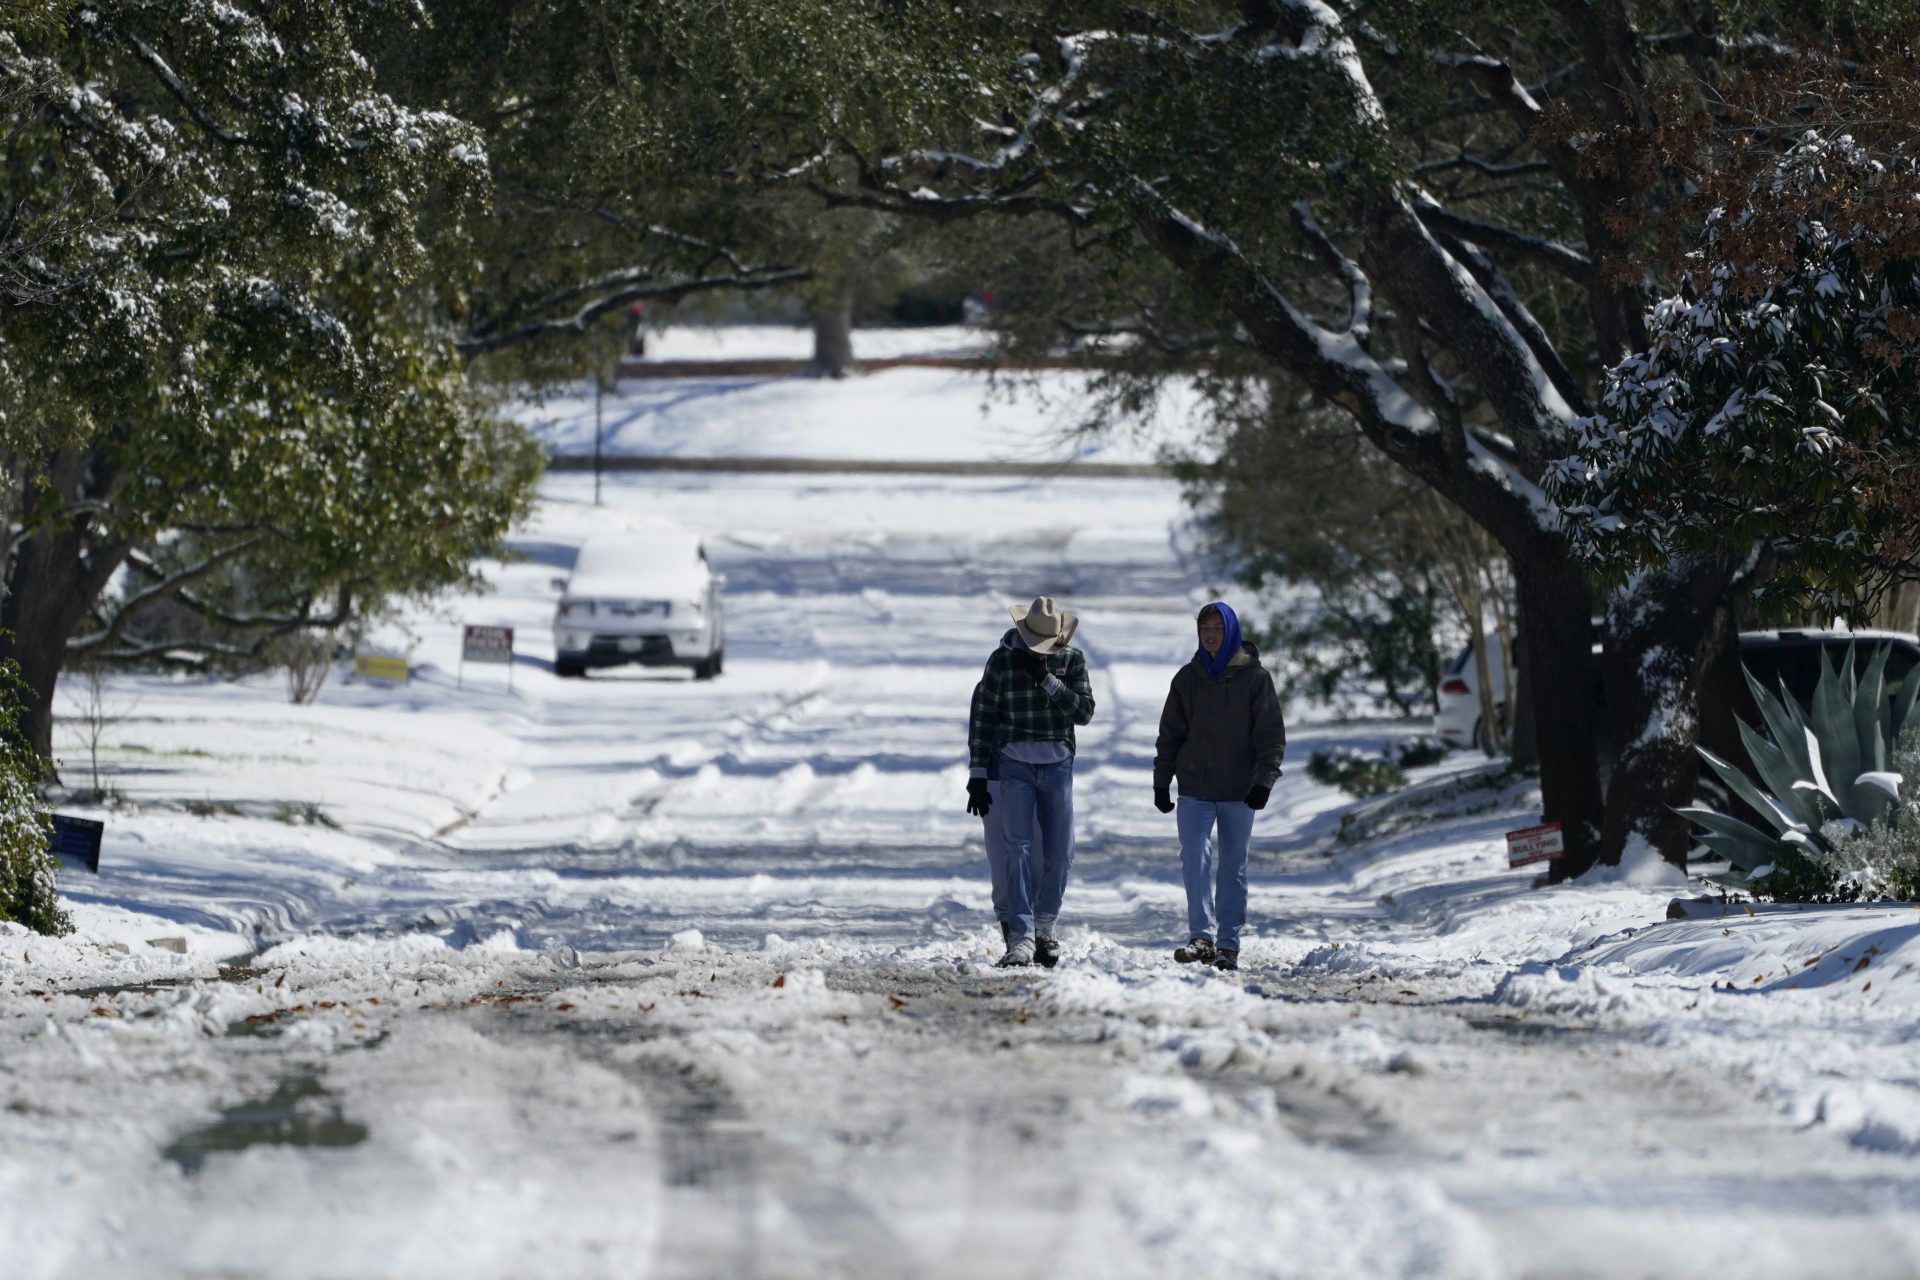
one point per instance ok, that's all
(1784, 723)
(1779, 773)
(1834, 734)
(1903, 705)
(1869, 701)
(1747, 847)
(1739, 784)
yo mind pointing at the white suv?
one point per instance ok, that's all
(649, 598)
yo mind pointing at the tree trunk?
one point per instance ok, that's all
(1665, 635)
(1556, 677)
(833, 332)
(54, 579)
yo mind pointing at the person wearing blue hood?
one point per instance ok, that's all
(1222, 739)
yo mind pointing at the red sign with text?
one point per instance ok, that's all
(1543, 843)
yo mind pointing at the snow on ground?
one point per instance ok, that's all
(795, 342)
(910, 414)
(637, 976)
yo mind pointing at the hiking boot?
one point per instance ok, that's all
(1018, 953)
(1227, 959)
(1200, 949)
(1047, 951)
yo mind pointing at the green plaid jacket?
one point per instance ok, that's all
(1009, 707)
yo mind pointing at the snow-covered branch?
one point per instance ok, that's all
(644, 288)
(164, 586)
(1511, 305)
(1564, 259)
(1051, 107)
(1489, 168)
(1359, 289)
(178, 89)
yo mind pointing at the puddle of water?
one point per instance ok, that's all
(298, 1113)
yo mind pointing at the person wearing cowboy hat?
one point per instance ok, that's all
(993, 827)
(1033, 693)
(1222, 737)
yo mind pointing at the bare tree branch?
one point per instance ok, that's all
(165, 586)
(474, 344)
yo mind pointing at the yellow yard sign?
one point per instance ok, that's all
(378, 666)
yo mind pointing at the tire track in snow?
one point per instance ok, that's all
(784, 711)
(719, 1168)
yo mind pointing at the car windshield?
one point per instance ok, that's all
(637, 554)
(1798, 665)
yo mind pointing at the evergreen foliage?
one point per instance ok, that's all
(1359, 774)
(26, 868)
(1773, 405)
(220, 366)
(1354, 771)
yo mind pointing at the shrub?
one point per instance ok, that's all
(1824, 786)
(1417, 753)
(1884, 860)
(1354, 771)
(26, 868)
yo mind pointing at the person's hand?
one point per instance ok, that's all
(1036, 665)
(1163, 799)
(1257, 797)
(979, 800)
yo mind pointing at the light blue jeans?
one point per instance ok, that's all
(996, 840)
(1198, 849)
(1039, 830)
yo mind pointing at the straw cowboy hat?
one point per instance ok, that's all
(1043, 625)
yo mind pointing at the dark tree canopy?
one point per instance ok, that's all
(223, 248)
(1425, 215)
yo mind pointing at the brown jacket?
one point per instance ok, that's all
(1220, 738)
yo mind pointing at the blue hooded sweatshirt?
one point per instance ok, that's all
(1229, 647)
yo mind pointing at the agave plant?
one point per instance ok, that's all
(1825, 776)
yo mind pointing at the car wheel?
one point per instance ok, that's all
(719, 660)
(565, 667)
(705, 669)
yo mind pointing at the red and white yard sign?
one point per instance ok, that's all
(1543, 843)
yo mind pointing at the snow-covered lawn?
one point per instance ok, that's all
(901, 415)
(637, 976)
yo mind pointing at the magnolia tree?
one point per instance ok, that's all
(1770, 418)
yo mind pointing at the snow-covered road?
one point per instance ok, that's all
(633, 976)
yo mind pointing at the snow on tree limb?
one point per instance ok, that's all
(1564, 259)
(1360, 290)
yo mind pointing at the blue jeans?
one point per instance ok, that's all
(1197, 819)
(996, 840)
(1039, 830)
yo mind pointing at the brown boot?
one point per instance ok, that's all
(1200, 949)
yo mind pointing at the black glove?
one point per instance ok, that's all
(1163, 799)
(978, 800)
(1257, 798)
(1036, 665)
